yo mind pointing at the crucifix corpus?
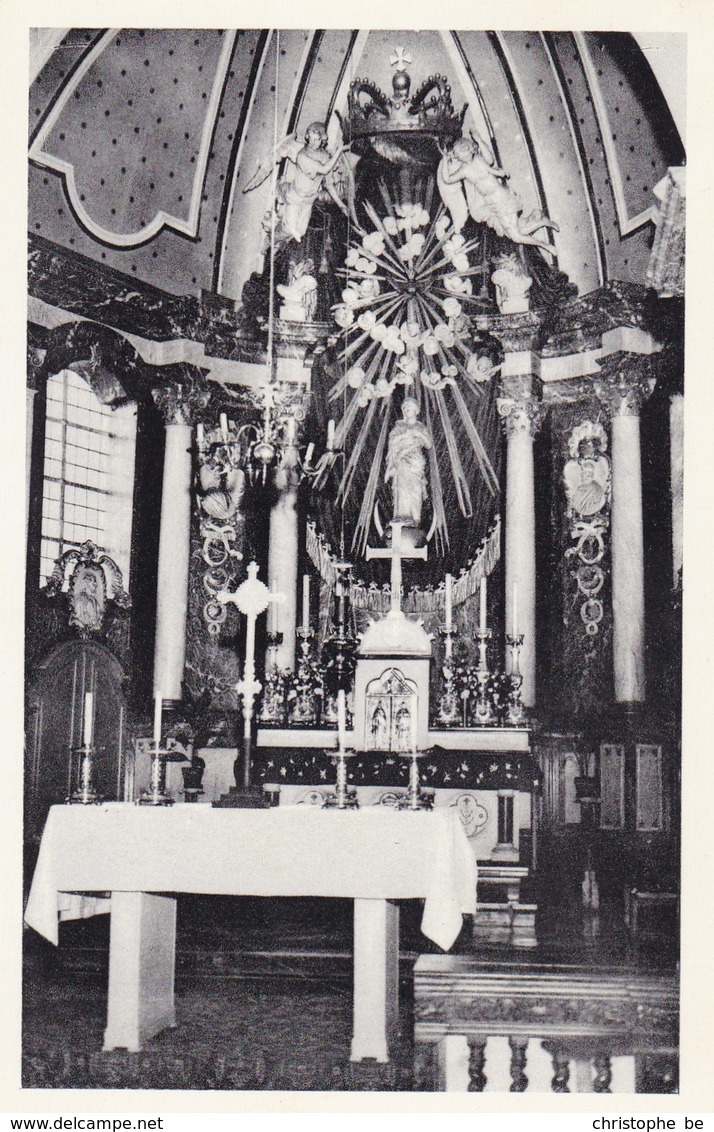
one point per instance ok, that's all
(397, 551)
(251, 598)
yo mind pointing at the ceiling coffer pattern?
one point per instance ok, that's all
(141, 140)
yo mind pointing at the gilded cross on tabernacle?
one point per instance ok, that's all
(396, 552)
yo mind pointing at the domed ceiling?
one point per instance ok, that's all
(142, 141)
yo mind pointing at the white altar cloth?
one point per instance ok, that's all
(374, 857)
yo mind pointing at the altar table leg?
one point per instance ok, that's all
(142, 950)
(376, 979)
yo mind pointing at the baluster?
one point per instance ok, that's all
(561, 1070)
(603, 1074)
(477, 1060)
(519, 1047)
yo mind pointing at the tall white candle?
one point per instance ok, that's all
(273, 610)
(482, 610)
(514, 627)
(224, 426)
(291, 430)
(447, 600)
(308, 454)
(88, 718)
(330, 435)
(199, 435)
(341, 719)
(306, 601)
(157, 718)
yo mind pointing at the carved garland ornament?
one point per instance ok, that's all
(587, 481)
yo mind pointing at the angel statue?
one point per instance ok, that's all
(488, 199)
(310, 168)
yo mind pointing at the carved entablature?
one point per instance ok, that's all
(520, 416)
(183, 400)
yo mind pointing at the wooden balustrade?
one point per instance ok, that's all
(582, 1020)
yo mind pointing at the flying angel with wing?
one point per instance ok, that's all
(309, 169)
(471, 182)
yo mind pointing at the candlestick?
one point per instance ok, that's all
(158, 702)
(88, 718)
(514, 626)
(199, 435)
(482, 610)
(224, 427)
(341, 719)
(447, 601)
(291, 430)
(330, 435)
(306, 601)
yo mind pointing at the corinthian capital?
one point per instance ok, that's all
(623, 393)
(520, 415)
(180, 400)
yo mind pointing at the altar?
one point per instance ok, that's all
(130, 861)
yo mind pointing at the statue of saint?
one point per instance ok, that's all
(406, 464)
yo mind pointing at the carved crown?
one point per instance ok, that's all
(430, 110)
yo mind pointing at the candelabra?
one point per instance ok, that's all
(85, 794)
(449, 700)
(303, 693)
(483, 709)
(415, 798)
(344, 798)
(156, 793)
(272, 709)
(514, 711)
(259, 446)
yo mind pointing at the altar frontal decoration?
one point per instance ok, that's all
(408, 352)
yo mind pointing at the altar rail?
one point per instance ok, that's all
(535, 1028)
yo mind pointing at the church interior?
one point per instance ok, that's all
(354, 508)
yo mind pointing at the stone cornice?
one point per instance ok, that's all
(565, 347)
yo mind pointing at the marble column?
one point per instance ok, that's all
(676, 448)
(35, 362)
(622, 396)
(177, 403)
(521, 418)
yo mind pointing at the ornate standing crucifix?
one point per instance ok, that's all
(252, 598)
(397, 552)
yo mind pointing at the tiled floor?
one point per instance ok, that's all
(264, 994)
